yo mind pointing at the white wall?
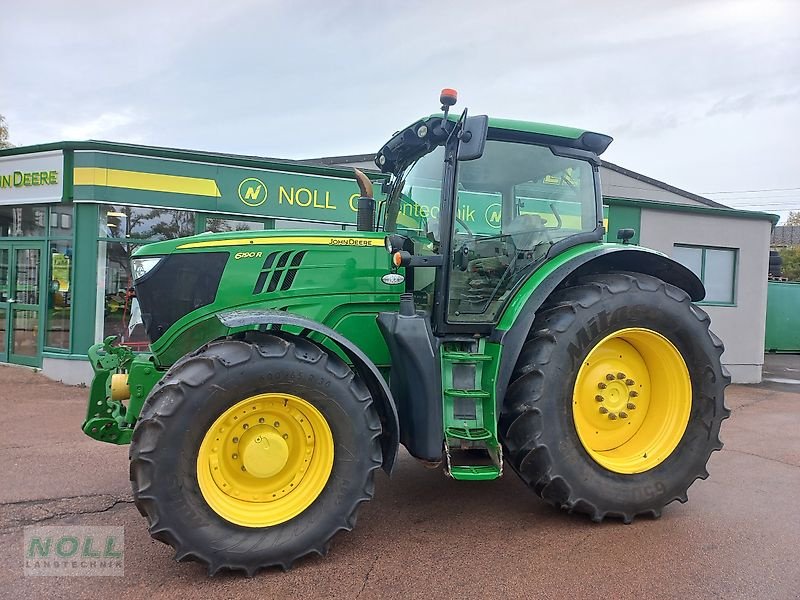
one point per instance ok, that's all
(71, 372)
(741, 327)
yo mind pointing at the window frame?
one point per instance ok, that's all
(734, 280)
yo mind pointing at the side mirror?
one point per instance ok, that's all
(625, 235)
(473, 137)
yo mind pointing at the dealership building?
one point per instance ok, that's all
(72, 213)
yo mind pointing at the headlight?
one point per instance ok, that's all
(142, 266)
(394, 242)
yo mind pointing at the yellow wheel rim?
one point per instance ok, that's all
(265, 460)
(631, 400)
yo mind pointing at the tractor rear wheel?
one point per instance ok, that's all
(254, 453)
(616, 401)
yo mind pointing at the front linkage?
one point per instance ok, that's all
(120, 375)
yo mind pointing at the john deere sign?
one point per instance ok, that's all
(29, 178)
(20, 179)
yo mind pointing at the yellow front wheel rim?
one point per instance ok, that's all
(632, 400)
(265, 460)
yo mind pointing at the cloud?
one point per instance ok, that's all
(316, 78)
(108, 125)
(748, 102)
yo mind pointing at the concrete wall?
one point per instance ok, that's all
(71, 372)
(741, 327)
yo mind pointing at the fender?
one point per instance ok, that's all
(515, 322)
(364, 367)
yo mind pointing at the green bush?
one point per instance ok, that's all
(791, 263)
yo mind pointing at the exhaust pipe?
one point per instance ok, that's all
(365, 219)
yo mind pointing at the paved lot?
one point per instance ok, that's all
(424, 535)
(782, 372)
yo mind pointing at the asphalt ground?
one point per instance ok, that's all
(425, 536)
(781, 372)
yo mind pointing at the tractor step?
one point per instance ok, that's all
(465, 357)
(481, 473)
(467, 393)
(472, 434)
(475, 463)
(470, 424)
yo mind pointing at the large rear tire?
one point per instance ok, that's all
(254, 453)
(616, 401)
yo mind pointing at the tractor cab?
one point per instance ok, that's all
(485, 202)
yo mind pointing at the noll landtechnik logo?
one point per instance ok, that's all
(253, 192)
(74, 550)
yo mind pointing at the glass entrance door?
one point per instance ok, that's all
(20, 295)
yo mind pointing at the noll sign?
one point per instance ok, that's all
(74, 550)
(30, 178)
(253, 192)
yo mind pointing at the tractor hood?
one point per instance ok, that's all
(182, 282)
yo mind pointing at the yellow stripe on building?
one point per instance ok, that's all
(149, 182)
(270, 241)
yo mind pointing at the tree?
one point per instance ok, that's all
(4, 143)
(793, 218)
(791, 263)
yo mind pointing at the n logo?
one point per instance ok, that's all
(253, 192)
(493, 215)
(280, 270)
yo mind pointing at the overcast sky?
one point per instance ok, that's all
(702, 94)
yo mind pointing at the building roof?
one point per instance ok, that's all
(260, 162)
(664, 186)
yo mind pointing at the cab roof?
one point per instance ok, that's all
(572, 133)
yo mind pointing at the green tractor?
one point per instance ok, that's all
(286, 367)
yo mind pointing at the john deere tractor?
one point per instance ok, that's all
(286, 367)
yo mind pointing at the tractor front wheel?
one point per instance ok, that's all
(616, 401)
(253, 453)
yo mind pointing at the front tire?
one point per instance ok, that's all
(251, 454)
(616, 401)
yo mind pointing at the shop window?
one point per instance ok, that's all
(23, 221)
(61, 222)
(716, 268)
(129, 222)
(118, 311)
(224, 225)
(59, 294)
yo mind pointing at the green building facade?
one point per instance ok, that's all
(71, 214)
